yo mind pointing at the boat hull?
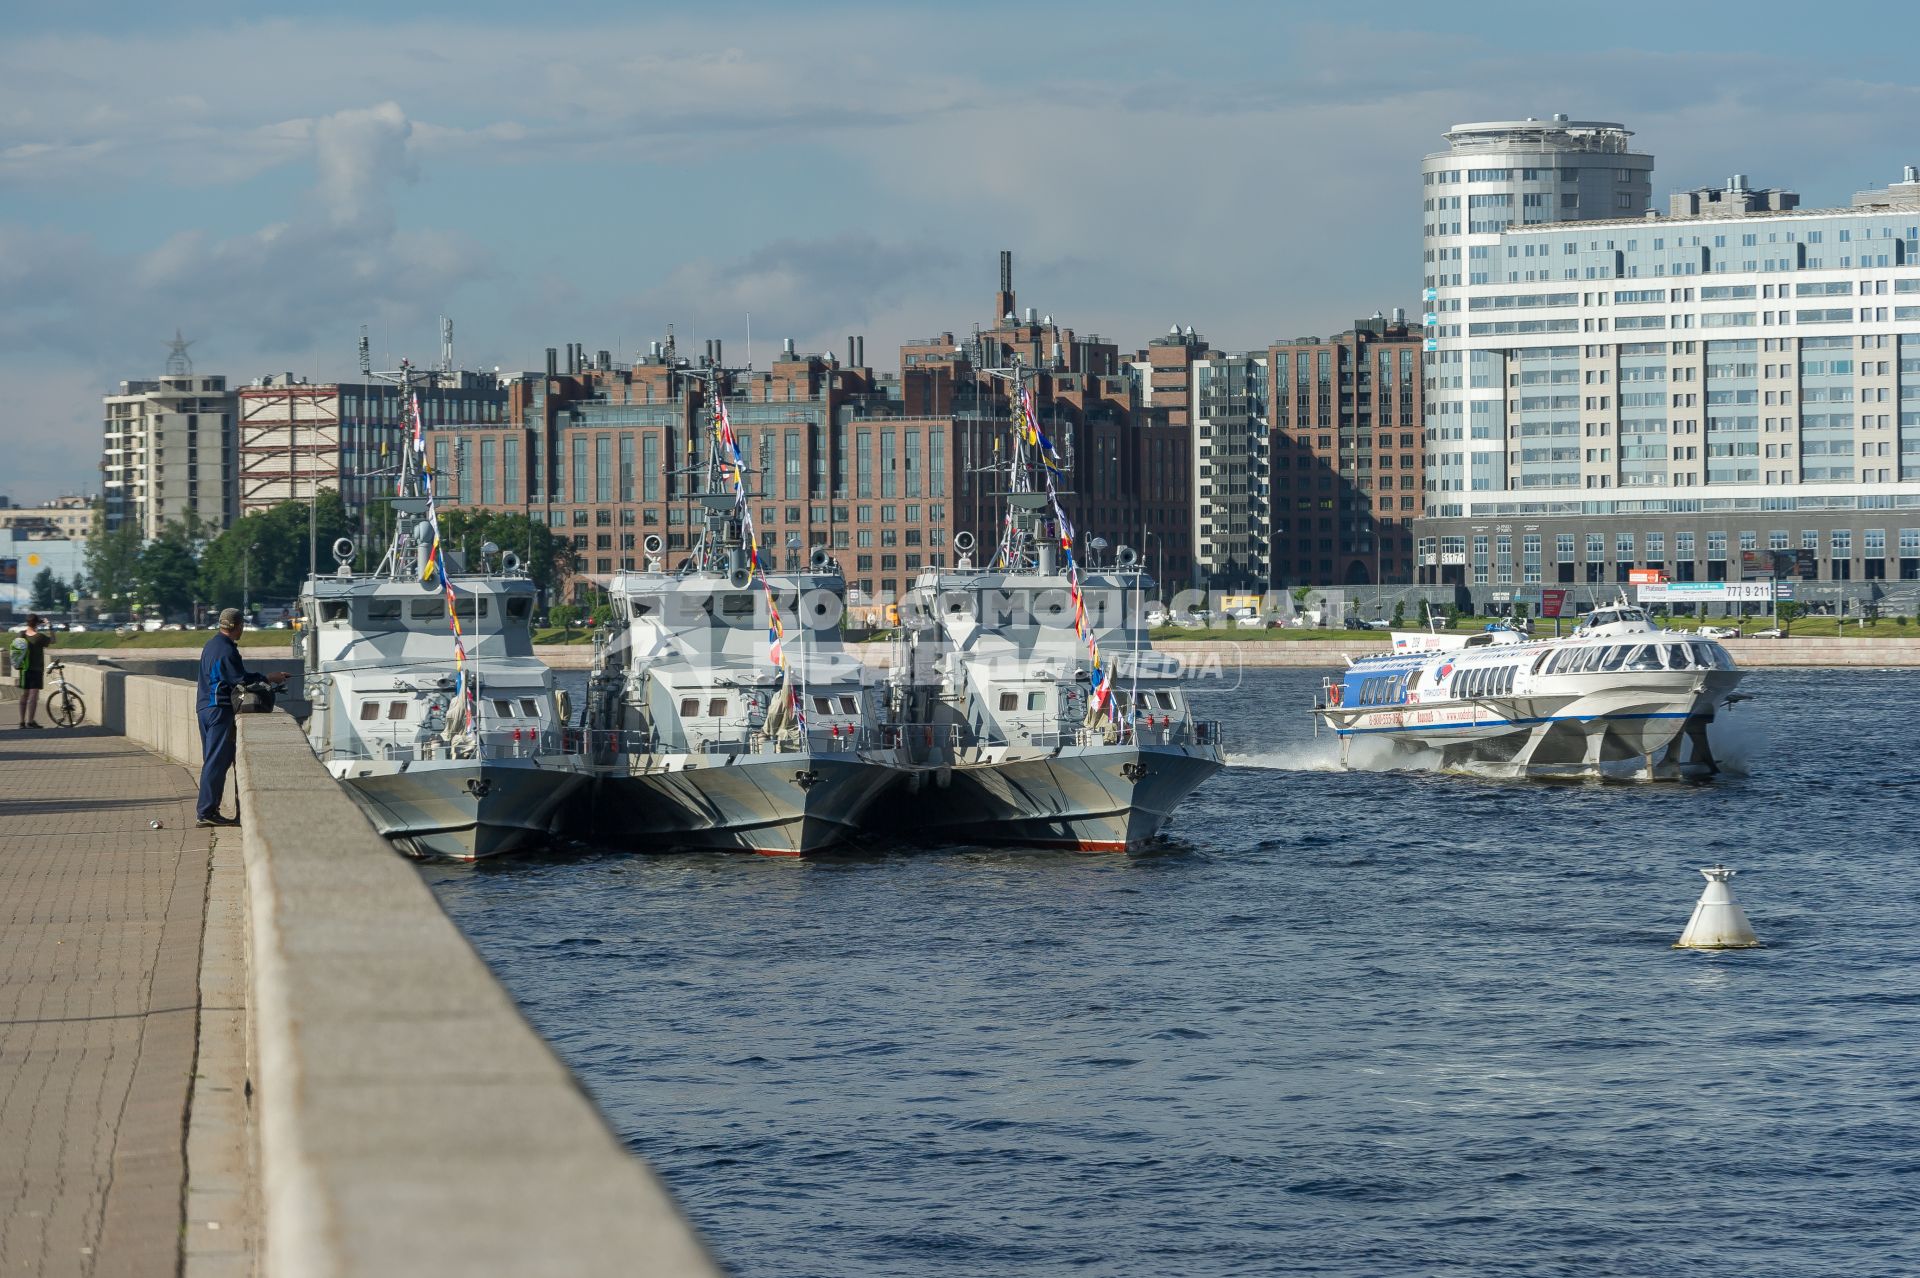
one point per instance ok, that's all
(1089, 798)
(1652, 731)
(775, 804)
(464, 809)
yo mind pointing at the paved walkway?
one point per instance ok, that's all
(100, 933)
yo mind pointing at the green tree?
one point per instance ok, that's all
(563, 615)
(1399, 613)
(168, 572)
(546, 556)
(113, 562)
(1786, 612)
(49, 592)
(266, 554)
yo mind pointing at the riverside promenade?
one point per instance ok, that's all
(101, 918)
(268, 1052)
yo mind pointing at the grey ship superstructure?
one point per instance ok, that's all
(1047, 718)
(713, 728)
(449, 758)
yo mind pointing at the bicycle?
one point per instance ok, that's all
(64, 706)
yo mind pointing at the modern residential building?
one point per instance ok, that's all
(69, 516)
(1346, 454)
(169, 450)
(1234, 522)
(1729, 387)
(296, 436)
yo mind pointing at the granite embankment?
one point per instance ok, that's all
(368, 1099)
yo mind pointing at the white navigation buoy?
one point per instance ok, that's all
(1718, 922)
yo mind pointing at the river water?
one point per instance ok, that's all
(1345, 1023)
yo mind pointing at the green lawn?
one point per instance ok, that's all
(94, 640)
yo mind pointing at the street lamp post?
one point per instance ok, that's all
(246, 582)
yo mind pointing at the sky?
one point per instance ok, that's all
(266, 178)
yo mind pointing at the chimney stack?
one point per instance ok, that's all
(860, 352)
(553, 360)
(1003, 300)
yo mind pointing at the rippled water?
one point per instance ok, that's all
(1348, 1023)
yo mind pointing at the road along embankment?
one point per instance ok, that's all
(408, 1119)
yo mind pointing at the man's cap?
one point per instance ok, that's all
(229, 617)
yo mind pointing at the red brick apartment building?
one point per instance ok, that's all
(881, 469)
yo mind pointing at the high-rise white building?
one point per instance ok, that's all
(169, 449)
(1664, 391)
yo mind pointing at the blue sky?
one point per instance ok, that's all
(269, 177)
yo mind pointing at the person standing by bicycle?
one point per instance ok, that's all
(30, 667)
(221, 671)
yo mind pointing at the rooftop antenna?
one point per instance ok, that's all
(446, 344)
(178, 364)
(366, 354)
(749, 339)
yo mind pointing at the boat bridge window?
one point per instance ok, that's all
(503, 708)
(1166, 700)
(519, 607)
(823, 705)
(1009, 701)
(369, 710)
(396, 710)
(382, 610)
(689, 706)
(643, 605)
(847, 706)
(716, 707)
(335, 610)
(530, 707)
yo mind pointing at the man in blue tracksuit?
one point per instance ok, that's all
(221, 672)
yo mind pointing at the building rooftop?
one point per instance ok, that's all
(1555, 134)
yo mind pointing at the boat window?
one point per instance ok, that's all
(369, 709)
(503, 708)
(848, 705)
(1009, 701)
(716, 707)
(335, 610)
(643, 605)
(1540, 662)
(427, 609)
(1036, 701)
(1645, 657)
(396, 710)
(1479, 641)
(689, 707)
(736, 604)
(383, 610)
(1413, 680)
(821, 705)
(1165, 699)
(529, 708)
(1616, 657)
(519, 607)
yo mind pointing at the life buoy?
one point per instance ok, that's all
(1334, 699)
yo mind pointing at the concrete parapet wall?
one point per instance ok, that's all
(411, 1121)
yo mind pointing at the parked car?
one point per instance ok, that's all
(1771, 632)
(1156, 616)
(1189, 622)
(1718, 632)
(1358, 623)
(78, 628)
